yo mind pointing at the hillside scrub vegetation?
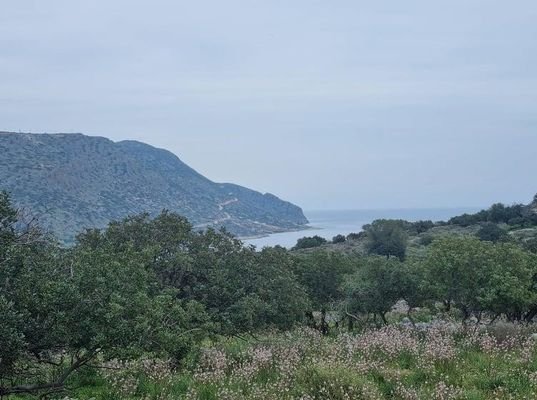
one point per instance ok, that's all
(150, 308)
(308, 242)
(516, 215)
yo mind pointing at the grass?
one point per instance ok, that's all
(388, 363)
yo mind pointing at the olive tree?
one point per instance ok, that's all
(375, 287)
(478, 276)
(386, 238)
(63, 309)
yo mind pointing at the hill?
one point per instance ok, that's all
(73, 181)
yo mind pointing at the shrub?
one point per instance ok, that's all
(386, 238)
(339, 239)
(426, 240)
(491, 232)
(309, 242)
(356, 236)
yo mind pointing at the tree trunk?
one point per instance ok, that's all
(383, 317)
(50, 387)
(350, 323)
(531, 314)
(409, 316)
(324, 325)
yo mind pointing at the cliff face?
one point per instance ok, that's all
(72, 181)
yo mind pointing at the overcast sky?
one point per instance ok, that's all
(329, 104)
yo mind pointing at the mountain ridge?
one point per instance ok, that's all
(74, 181)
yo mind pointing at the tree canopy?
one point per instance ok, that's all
(479, 276)
(386, 238)
(141, 285)
(309, 242)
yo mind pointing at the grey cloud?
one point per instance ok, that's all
(340, 104)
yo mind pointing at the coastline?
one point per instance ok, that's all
(261, 236)
(329, 223)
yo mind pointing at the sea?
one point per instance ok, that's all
(329, 223)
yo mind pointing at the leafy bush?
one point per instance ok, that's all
(515, 215)
(491, 232)
(386, 238)
(375, 287)
(426, 240)
(531, 245)
(141, 285)
(309, 242)
(479, 276)
(356, 236)
(66, 308)
(321, 274)
(339, 239)
(422, 226)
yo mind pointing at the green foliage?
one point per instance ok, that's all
(241, 289)
(142, 285)
(309, 242)
(531, 245)
(386, 238)
(474, 276)
(31, 290)
(499, 213)
(356, 236)
(176, 326)
(275, 298)
(11, 337)
(413, 284)
(376, 286)
(422, 226)
(426, 240)
(7, 219)
(339, 239)
(481, 276)
(515, 215)
(491, 232)
(63, 309)
(322, 274)
(155, 286)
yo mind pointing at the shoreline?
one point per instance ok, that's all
(261, 236)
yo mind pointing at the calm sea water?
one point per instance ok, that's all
(329, 223)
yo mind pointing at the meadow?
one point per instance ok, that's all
(446, 361)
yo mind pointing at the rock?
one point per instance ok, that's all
(422, 326)
(473, 320)
(401, 307)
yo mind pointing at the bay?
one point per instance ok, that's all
(329, 223)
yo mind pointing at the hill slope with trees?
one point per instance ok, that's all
(73, 181)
